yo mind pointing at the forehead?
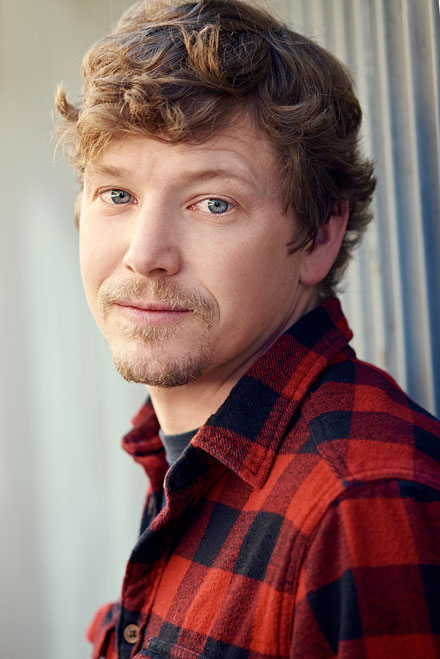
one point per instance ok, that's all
(238, 150)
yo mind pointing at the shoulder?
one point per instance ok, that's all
(361, 423)
(355, 428)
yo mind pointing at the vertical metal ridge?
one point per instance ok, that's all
(429, 165)
(368, 259)
(355, 290)
(418, 338)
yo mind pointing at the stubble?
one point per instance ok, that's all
(142, 354)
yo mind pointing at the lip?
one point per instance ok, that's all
(151, 313)
(150, 306)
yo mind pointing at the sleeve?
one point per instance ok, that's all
(101, 632)
(369, 585)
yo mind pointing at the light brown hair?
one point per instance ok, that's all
(180, 70)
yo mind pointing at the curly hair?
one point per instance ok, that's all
(178, 71)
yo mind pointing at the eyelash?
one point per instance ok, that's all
(214, 200)
(121, 191)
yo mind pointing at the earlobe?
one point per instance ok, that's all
(318, 260)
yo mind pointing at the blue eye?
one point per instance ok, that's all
(217, 206)
(118, 197)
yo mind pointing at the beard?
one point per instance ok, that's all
(142, 353)
(156, 372)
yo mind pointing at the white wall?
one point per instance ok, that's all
(70, 499)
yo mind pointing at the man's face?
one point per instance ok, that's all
(184, 258)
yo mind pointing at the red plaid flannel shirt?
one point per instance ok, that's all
(302, 521)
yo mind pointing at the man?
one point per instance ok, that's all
(294, 491)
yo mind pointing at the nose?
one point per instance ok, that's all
(153, 246)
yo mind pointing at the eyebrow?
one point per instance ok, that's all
(188, 177)
(205, 174)
(108, 170)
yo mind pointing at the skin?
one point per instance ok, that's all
(179, 288)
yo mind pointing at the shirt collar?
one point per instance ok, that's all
(246, 431)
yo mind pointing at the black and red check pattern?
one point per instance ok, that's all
(302, 521)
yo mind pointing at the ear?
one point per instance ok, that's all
(319, 258)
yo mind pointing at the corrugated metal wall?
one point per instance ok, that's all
(393, 286)
(69, 499)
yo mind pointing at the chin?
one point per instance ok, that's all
(162, 371)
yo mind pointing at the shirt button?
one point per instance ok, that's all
(131, 634)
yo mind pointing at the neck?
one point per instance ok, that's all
(184, 408)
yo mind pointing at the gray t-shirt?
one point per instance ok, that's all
(174, 445)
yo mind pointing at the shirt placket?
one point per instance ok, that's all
(150, 554)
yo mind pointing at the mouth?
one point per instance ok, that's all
(151, 313)
(150, 306)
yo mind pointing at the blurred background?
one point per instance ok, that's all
(70, 498)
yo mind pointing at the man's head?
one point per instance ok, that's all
(219, 162)
(179, 71)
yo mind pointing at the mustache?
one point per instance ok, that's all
(155, 290)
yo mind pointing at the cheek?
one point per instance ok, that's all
(97, 260)
(89, 259)
(251, 279)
